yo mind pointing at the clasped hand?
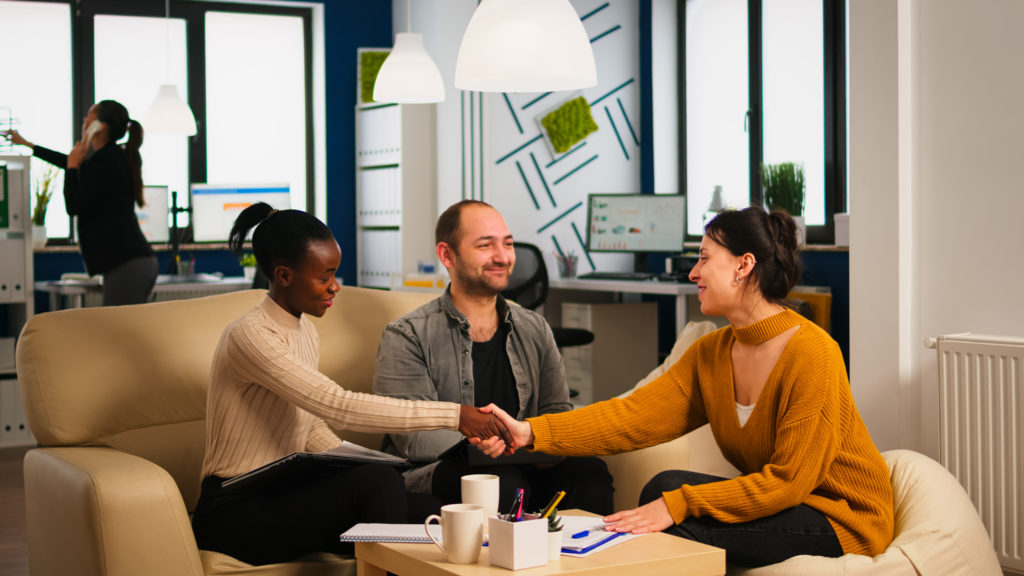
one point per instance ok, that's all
(651, 517)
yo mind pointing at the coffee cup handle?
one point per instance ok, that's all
(426, 527)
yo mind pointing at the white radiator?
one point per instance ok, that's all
(981, 405)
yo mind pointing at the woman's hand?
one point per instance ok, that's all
(521, 432)
(477, 424)
(77, 154)
(651, 517)
(17, 138)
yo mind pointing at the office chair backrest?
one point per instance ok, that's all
(528, 285)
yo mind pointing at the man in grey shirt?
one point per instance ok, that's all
(472, 347)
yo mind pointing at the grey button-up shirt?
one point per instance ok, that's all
(427, 355)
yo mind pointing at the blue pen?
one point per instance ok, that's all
(581, 534)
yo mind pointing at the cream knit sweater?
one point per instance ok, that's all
(804, 443)
(267, 398)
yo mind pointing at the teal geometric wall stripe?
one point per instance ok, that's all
(558, 247)
(535, 100)
(559, 217)
(594, 11)
(512, 153)
(574, 170)
(628, 123)
(513, 112)
(612, 91)
(544, 182)
(559, 159)
(615, 129)
(605, 33)
(583, 246)
(527, 183)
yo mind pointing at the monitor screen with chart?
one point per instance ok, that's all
(215, 206)
(635, 223)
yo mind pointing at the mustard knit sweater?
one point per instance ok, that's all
(804, 443)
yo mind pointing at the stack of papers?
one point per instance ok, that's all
(585, 535)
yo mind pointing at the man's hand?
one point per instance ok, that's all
(521, 432)
(651, 517)
(475, 423)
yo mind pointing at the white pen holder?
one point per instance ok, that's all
(517, 545)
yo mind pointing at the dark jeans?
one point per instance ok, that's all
(586, 481)
(130, 282)
(264, 527)
(769, 540)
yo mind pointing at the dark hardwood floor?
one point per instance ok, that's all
(13, 538)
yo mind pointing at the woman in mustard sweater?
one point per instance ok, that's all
(774, 388)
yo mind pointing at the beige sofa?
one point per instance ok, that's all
(116, 399)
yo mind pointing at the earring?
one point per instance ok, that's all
(739, 280)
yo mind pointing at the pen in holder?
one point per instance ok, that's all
(566, 264)
(516, 545)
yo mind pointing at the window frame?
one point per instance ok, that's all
(83, 66)
(834, 62)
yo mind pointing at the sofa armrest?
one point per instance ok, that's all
(98, 511)
(632, 470)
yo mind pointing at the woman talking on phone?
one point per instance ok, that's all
(101, 182)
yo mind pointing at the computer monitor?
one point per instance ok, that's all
(215, 206)
(153, 217)
(635, 223)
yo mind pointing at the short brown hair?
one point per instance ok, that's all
(450, 221)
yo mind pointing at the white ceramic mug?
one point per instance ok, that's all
(481, 489)
(461, 532)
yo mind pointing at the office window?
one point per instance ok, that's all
(718, 149)
(36, 87)
(256, 101)
(133, 56)
(792, 52)
(764, 84)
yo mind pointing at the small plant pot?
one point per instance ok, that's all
(249, 272)
(38, 236)
(554, 545)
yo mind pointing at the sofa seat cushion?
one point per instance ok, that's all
(317, 564)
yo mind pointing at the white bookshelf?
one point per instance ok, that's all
(396, 191)
(17, 297)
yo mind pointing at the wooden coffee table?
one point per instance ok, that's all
(650, 555)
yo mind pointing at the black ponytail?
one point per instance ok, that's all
(281, 237)
(770, 237)
(115, 116)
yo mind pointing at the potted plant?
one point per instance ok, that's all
(554, 535)
(248, 262)
(44, 191)
(784, 188)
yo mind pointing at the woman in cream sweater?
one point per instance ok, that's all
(268, 399)
(773, 386)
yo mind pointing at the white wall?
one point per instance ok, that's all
(935, 140)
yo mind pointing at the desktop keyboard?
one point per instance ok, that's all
(599, 275)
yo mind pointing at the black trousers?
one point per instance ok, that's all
(586, 481)
(769, 540)
(265, 527)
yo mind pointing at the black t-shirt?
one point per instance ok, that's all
(492, 373)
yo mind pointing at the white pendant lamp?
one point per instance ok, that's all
(169, 113)
(525, 46)
(408, 75)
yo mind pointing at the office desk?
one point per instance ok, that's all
(679, 290)
(72, 293)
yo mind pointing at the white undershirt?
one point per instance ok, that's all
(743, 412)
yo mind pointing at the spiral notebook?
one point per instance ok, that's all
(406, 533)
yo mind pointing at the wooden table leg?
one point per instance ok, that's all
(364, 568)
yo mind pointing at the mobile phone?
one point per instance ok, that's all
(94, 127)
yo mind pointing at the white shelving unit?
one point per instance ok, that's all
(17, 297)
(396, 191)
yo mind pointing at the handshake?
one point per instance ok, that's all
(493, 431)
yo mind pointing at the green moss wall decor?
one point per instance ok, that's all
(370, 62)
(569, 124)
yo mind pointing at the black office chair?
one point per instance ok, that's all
(528, 287)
